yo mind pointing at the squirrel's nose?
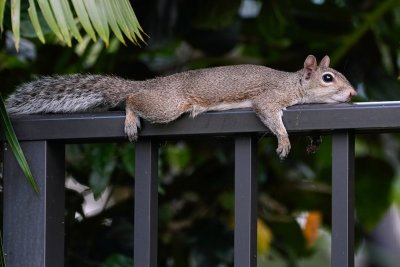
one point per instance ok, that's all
(353, 92)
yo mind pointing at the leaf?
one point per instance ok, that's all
(373, 190)
(2, 6)
(84, 18)
(70, 20)
(35, 20)
(103, 162)
(370, 20)
(49, 17)
(15, 21)
(112, 21)
(61, 19)
(95, 15)
(178, 157)
(121, 20)
(264, 237)
(14, 144)
(131, 20)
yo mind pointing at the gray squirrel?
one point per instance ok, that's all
(163, 99)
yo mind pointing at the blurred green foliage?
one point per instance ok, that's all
(196, 175)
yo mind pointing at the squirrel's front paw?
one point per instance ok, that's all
(283, 148)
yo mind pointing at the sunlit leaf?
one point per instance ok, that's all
(49, 17)
(131, 19)
(15, 21)
(264, 237)
(35, 20)
(61, 20)
(121, 20)
(95, 16)
(112, 21)
(14, 144)
(70, 20)
(2, 6)
(99, 23)
(84, 18)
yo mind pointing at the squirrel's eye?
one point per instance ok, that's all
(328, 78)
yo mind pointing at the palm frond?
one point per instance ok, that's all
(2, 7)
(14, 144)
(49, 17)
(35, 20)
(71, 18)
(15, 20)
(83, 17)
(99, 22)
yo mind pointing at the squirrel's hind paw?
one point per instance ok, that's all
(132, 123)
(131, 132)
(283, 148)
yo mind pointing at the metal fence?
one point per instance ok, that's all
(33, 223)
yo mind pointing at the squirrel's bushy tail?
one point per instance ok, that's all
(66, 94)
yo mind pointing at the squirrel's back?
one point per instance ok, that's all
(67, 94)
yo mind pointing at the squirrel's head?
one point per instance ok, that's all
(322, 84)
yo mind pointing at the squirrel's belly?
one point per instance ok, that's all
(196, 110)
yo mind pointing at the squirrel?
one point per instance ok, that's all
(164, 99)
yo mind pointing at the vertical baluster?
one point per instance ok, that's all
(146, 198)
(245, 202)
(34, 223)
(342, 199)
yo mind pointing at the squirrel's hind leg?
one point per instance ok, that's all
(132, 122)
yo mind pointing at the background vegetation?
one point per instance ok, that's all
(196, 176)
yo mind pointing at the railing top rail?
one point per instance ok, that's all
(368, 116)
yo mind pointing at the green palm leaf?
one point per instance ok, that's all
(131, 20)
(99, 22)
(92, 16)
(14, 144)
(35, 20)
(2, 6)
(83, 16)
(122, 22)
(113, 21)
(15, 20)
(49, 17)
(70, 20)
(61, 20)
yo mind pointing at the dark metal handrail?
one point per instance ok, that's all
(33, 223)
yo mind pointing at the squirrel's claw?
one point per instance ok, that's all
(131, 133)
(132, 123)
(283, 148)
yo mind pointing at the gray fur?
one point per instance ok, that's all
(164, 99)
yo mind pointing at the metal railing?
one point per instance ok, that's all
(33, 223)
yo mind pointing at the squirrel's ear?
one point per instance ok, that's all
(310, 65)
(325, 62)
